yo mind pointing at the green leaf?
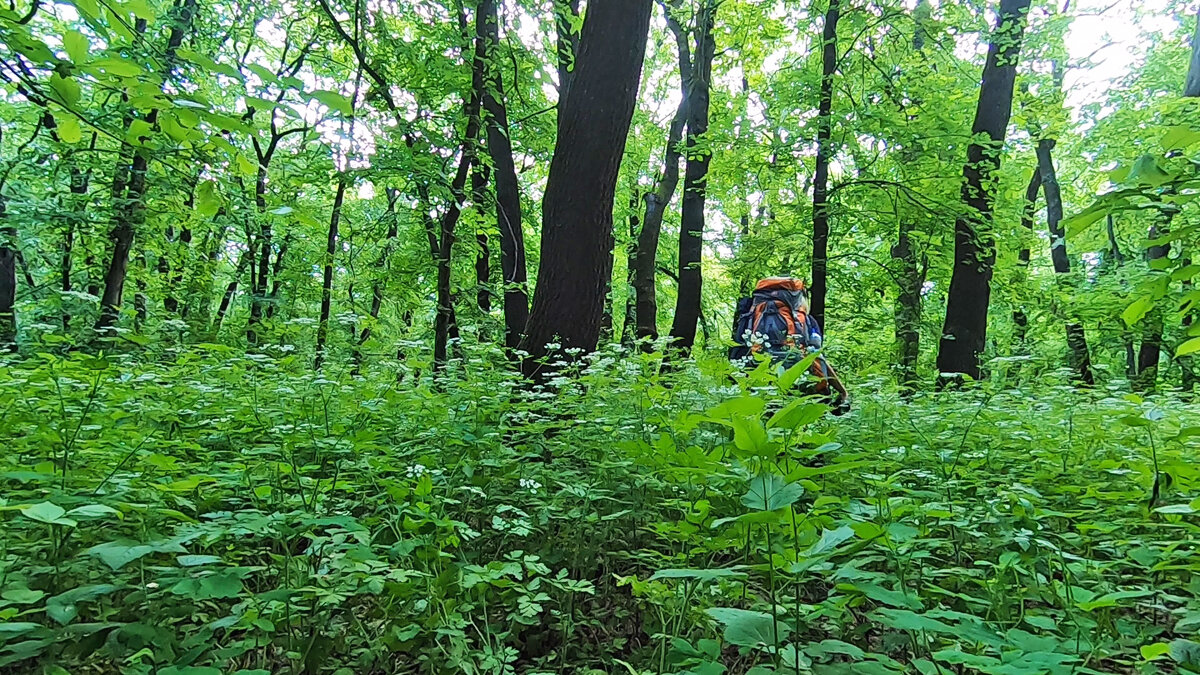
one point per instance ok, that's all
(189, 670)
(1137, 310)
(76, 45)
(1179, 138)
(1155, 651)
(208, 202)
(883, 595)
(768, 492)
(798, 413)
(830, 539)
(1185, 653)
(22, 596)
(742, 406)
(47, 512)
(1189, 347)
(788, 379)
(66, 88)
(747, 628)
(67, 128)
(116, 67)
(902, 619)
(699, 575)
(749, 435)
(94, 511)
(62, 607)
(117, 554)
(1111, 599)
(197, 560)
(334, 101)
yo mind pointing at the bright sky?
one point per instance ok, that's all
(1112, 34)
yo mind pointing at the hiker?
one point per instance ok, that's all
(775, 321)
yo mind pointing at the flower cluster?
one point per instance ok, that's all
(530, 484)
(753, 338)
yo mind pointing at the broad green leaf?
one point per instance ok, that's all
(749, 435)
(883, 595)
(903, 619)
(334, 101)
(76, 45)
(789, 377)
(117, 554)
(798, 413)
(747, 628)
(1179, 138)
(769, 492)
(47, 512)
(1136, 310)
(67, 127)
(1189, 347)
(94, 511)
(63, 607)
(197, 560)
(743, 406)
(1155, 651)
(1112, 599)
(66, 88)
(22, 596)
(207, 201)
(116, 66)
(830, 539)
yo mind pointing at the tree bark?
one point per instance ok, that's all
(629, 323)
(695, 185)
(820, 260)
(129, 197)
(1191, 87)
(230, 290)
(1150, 351)
(483, 252)
(577, 227)
(1081, 360)
(964, 333)
(327, 279)
(1028, 214)
(508, 191)
(8, 279)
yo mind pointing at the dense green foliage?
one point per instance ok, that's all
(220, 513)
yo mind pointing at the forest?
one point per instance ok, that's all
(629, 337)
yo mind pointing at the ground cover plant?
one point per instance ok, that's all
(214, 512)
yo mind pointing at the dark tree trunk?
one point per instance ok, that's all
(327, 279)
(695, 185)
(128, 205)
(1028, 214)
(277, 277)
(577, 227)
(908, 305)
(508, 192)
(444, 322)
(377, 285)
(1150, 351)
(8, 280)
(1081, 360)
(629, 324)
(1191, 87)
(644, 281)
(483, 254)
(820, 260)
(964, 333)
(259, 277)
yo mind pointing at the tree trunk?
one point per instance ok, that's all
(964, 333)
(8, 279)
(695, 185)
(508, 192)
(820, 261)
(1028, 214)
(277, 277)
(629, 324)
(128, 205)
(1081, 360)
(259, 277)
(327, 278)
(645, 284)
(1150, 351)
(1191, 87)
(908, 305)
(483, 254)
(577, 228)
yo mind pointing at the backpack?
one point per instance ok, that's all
(773, 321)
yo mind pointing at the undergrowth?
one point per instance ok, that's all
(210, 512)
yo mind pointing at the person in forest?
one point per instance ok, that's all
(775, 321)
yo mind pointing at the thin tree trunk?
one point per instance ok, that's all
(1081, 360)
(1150, 351)
(820, 260)
(483, 254)
(644, 279)
(508, 192)
(629, 324)
(695, 185)
(277, 277)
(964, 333)
(129, 205)
(1028, 214)
(259, 277)
(577, 227)
(8, 279)
(327, 278)
(908, 305)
